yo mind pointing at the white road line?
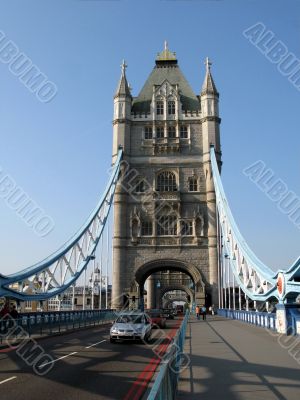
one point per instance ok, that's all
(57, 359)
(95, 344)
(8, 379)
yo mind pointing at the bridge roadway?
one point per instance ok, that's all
(87, 367)
(232, 360)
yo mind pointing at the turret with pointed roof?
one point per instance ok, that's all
(123, 87)
(122, 114)
(209, 86)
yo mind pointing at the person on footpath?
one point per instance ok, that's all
(197, 312)
(203, 311)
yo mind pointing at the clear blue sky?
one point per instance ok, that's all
(59, 152)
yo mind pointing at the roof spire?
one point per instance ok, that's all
(209, 84)
(166, 55)
(123, 67)
(208, 64)
(123, 87)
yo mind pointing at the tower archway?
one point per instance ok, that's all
(144, 271)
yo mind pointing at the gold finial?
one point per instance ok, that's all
(166, 54)
(208, 64)
(123, 67)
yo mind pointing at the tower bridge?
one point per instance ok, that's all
(164, 208)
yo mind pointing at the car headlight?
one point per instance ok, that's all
(114, 330)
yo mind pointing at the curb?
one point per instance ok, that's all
(39, 338)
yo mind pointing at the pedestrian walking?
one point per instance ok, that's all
(203, 311)
(197, 312)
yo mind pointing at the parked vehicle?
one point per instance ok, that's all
(167, 313)
(131, 325)
(157, 318)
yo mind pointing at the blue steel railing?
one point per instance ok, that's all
(45, 323)
(263, 319)
(165, 385)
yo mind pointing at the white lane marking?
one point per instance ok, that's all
(95, 344)
(8, 379)
(57, 359)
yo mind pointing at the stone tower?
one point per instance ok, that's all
(164, 205)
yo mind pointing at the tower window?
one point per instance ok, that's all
(193, 184)
(172, 131)
(140, 187)
(146, 228)
(186, 228)
(159, 107)
(171, 107)
(166, 182)
(167, 225)
(159, 132)
(148, 132)
(184, 132)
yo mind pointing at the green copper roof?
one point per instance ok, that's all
(166, 70)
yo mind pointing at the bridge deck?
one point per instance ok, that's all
(233, 360)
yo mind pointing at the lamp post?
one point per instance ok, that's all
(228, 279)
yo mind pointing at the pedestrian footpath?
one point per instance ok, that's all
(232, 360)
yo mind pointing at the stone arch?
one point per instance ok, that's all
(167, 304)
(188, 291)
(170, 288)
(147, 269)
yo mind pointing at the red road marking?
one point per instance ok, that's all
(140, 384)
(8, 349)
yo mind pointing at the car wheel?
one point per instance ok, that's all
(112, 340)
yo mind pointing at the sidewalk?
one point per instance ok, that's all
(233, 360)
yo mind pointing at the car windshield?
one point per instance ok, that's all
(130, 319)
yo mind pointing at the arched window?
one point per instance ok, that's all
(159, 107)
(146, 228)
(186, 228)
(172, 131)
(148, 132)
(160, 132)
(171, 107)
(166, 182)
(140, 186)
(183, 132)
(167, 225)
(193, 184)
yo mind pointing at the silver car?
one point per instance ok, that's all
(131, 325)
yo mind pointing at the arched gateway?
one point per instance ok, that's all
(164, 205)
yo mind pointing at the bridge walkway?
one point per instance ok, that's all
(235, 361)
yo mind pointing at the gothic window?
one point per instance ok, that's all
(140, 187)
(159, 132)
(186, 228)
(171, 131)
(148, 132)
(146, 228)
(167, 225)
(159, 107)
(183, 132)
(166, 182)
(193, 184)
(171, 107)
